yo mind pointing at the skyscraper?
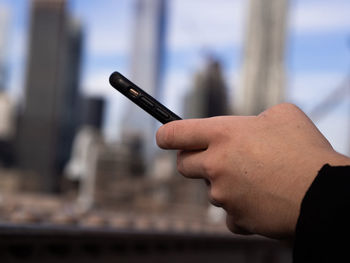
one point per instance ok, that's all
(47, 120)
(146, 66)
(148, 44)
(263, 74)
(208, 98)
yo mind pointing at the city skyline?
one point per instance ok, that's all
(317, 51)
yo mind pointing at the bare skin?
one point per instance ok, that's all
(258, 168)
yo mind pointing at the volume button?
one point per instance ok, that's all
(146, 102)
(162, 113)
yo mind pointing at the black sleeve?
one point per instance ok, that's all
(323, 227)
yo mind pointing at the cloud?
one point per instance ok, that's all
(108, 26)
(218, 24)
(315, 17)
(205, 24)
(102, 42)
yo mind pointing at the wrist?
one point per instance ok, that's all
(338, 159)
(331, 158)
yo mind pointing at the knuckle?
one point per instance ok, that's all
(220, 130)
(237, 229)
(284, 109)
(211, 167)
(216, 197)
(287, 107)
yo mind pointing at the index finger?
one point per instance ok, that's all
(191, 134)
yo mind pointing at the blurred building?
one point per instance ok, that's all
(7, 114)
(87, 145)
(209, 96)
(146, 67)
(92, 113)
(4, 18)
(48, 116)
(89, 130)
(6, 103)
(263, 73)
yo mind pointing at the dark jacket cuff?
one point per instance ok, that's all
(324, 218)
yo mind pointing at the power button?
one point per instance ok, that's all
(162, 113)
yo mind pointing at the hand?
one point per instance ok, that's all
(258, 167)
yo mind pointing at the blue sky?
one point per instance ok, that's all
(317, 52)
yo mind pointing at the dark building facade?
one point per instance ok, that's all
(92, 112)
(49, 113)
(209, 96)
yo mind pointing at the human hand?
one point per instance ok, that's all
(258, 167)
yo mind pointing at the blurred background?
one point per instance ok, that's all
(73, 151)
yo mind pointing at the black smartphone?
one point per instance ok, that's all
(142, 99)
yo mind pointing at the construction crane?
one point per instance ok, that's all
(332, 100)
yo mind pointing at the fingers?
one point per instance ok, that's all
(191, 164)
(185, 135)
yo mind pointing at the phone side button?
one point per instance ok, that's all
(162, 113)
(146, 102)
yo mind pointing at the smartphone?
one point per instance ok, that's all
(142, 99)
